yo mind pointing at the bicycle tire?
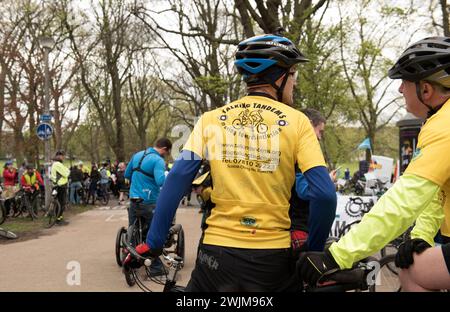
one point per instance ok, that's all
(33, 209)
(17, 210)
(133, 237)
(180, 249)
(2, 212)
(129, 276)
(105, 199)
(54, 210)
(121, 234)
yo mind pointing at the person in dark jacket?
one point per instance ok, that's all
(95, 177)
(76, 178)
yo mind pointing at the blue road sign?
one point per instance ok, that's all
(44, 131)
(46, 117)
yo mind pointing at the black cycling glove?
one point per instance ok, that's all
(312, 266)
(406, 250)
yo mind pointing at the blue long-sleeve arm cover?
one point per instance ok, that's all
(177, 183)
(321, 193)
(301, 186)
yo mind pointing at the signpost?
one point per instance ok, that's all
(46, 118)
(44, 131)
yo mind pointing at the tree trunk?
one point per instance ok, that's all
(445, 22)
(2, 102)
(57, 123)
(19, 145)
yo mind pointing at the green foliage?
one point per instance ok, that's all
(341, 143)
(212, 84)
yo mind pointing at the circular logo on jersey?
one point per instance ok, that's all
(282, 123)
(248, 221)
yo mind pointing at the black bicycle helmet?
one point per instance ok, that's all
(427, 59)
(263, 59)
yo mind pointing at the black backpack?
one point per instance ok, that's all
(139, 169)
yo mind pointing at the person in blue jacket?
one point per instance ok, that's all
(146, 172)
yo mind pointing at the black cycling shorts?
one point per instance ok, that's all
(446, 252)
(227, 269)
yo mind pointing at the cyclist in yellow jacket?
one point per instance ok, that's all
(59, 175)
(421, 195)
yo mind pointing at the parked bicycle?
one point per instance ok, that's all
(26, 202)
(54, 209)
(102, 194)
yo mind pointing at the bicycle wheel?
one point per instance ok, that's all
(180, 249)
(387, 281)
(133, 238)
(129, 276)
(17, 207)
(33, 208)
(53, 212)
(120, 255)
(83, 197)
(106, 200)
(2, 212)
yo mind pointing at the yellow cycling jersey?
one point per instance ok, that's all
(253, 145)
(59, 173)
(419, 196)
(430, 160)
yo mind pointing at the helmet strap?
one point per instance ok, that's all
(280, 89)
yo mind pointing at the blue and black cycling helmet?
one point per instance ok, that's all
(427, 59)
(255, 55)
(264, 59)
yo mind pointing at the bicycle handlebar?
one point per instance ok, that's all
(343, 280)
(147, 261)
(351, 276)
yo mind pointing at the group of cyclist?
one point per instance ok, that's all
(31, 182)
(67, 181)
(249, 231)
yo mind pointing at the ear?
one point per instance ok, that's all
(427, 90)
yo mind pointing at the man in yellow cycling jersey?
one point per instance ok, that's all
(421, 195)
(253, 145)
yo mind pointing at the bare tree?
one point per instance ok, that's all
(103, 69)
(204, 31)
(365, 66)
(272, 14)
(144, 96)
(441, 22)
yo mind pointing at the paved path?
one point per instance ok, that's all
(50, 261)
